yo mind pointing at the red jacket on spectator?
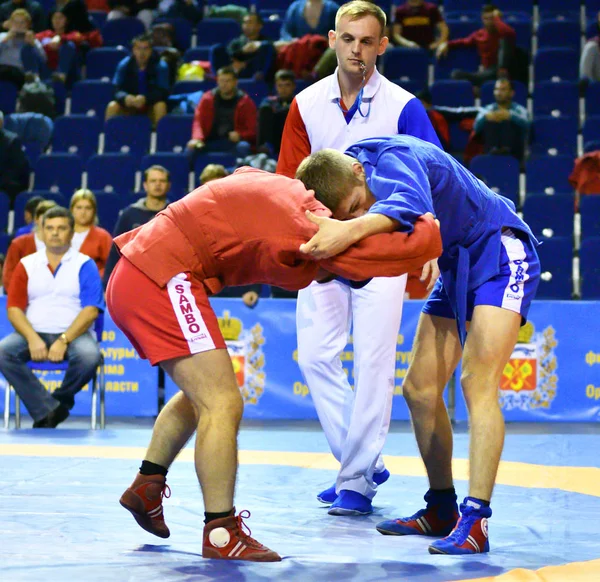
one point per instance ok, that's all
(303, 54)
(244, 117)
(487, 44)
(585, 177)
(96, 245)
(93, 38)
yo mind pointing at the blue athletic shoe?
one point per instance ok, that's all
(351, 503)
(470, 536)
(329, 495)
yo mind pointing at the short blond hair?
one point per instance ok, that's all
(358, 9)
(43, 207)
(330, 174)
(21, 12)
(85, 194)
(213, 172)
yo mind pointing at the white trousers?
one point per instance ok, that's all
(355, 422)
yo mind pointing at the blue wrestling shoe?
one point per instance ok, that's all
(470, 536)
(329, 495)
(436, 520)
(351, 503)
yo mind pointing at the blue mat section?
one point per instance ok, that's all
(60, 518)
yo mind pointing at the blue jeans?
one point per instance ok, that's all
(82, 355)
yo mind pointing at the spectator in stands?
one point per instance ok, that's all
(141, 9)
(89, 238)
(33, 8)
(60, 47)
(225, 119)
(589, 65)
(439, 122)
(213, 172)
(142, 83)
(78, 19)
(28, 215)
(54, 298)
(252, 55)
(14, 166)
(31, 127)
(309, 17)
(26, 244)
(495, 43)
(503, 125)
(273, 111)
(419, 24)
(156, 184)
(20, 51)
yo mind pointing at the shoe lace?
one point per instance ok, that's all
(166, 492)
(414, 517)
(462, 528)
(240, 517)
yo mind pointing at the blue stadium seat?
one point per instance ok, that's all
(60, 96)
(557, 99)
(554, 135)
(111, 172)
(76, 134)
(523, 30)
(192, 86)
(559, 9)
(458, 138)
(461, 58)
(244, 3)
(98, 17)
(591, 129)
(202, 160)
(405, 64)
(591, 28)
(173, 133)
(197, 53)
(452, 93)
(179, 169)
(589, 207)
(589, 267)
(184, 30)
(33, 150)
(463, 6)
(120, 32)
(515, 5)
(4, 242)
(591, 146)
(23, 197)
(559, 33)
(257, 90)
(463, 27)
(8, 97)
(487, 93)
(91, 97)
(561, 64)
(556, 260)
(550, 216)
(549, 175)
(592, 100)
(58, 172)
(592, 7)
(272, 29)
(101, 63)
(500, 173)
(218, 57)
(128, 134)
(4, 208)
(411, 86)
(109, 205)
(217, 31)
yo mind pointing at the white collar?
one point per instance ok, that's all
(372, 86)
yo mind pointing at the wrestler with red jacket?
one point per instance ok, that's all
(246, 228)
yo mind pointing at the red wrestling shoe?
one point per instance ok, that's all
(225, 539)
(144, 500)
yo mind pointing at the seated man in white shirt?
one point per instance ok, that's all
(55, 296)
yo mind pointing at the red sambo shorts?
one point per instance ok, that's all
(162, 323)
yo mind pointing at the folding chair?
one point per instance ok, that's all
(98, 384)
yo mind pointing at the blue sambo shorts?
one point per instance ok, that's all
(513, 288)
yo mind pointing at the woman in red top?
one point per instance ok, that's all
(61, 45)
(89, 239)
